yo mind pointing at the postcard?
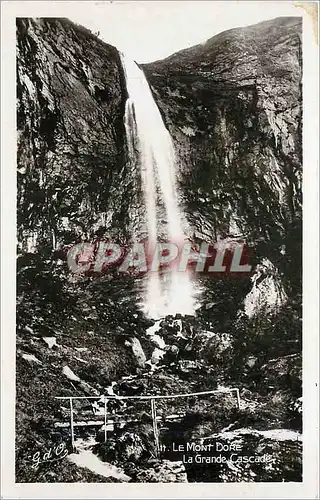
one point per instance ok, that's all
(160, 249)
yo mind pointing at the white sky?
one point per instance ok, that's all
(150, 30)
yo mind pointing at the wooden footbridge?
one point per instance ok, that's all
(110, 419)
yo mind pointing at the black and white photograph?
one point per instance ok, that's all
(158, 253)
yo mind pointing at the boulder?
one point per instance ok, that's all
(137, 350)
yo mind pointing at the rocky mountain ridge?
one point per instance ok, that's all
(71, 142)
(233, 106)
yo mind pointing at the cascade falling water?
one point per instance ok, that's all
(147, 137)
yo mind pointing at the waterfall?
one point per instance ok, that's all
(150, 142)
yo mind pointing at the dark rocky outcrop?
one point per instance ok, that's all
(233, 106)
(71, 140)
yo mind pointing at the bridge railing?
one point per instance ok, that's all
(153, 409)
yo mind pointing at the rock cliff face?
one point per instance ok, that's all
(71, 151)
(233, 107)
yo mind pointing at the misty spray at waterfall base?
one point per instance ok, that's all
(150, 146)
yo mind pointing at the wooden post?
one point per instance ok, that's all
(155, 427)
(238, 398)
(71, 424)
(105, 420)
